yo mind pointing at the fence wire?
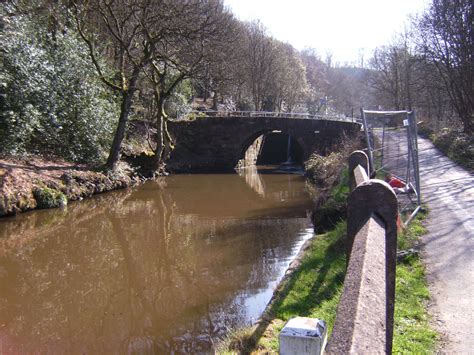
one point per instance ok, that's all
(392, 147)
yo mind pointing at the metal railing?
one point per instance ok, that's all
(364, 320)
(264, 114)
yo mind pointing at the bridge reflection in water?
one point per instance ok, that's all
(169, 265)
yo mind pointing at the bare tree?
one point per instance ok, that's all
(393, 76)
(112, 31)
(289, 83)
(431, 97)
(224, 74)
(165, 42)
(446, 37)
(183, 47)
(317, 79)
(260, 62)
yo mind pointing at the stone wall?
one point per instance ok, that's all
(218, 143)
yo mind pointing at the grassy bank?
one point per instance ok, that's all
(314, 288)
(412, 333)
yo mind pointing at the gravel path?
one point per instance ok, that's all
(448, 252)
(448, 248)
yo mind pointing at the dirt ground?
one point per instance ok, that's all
(19, 177)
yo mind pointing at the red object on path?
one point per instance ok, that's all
(394, 182)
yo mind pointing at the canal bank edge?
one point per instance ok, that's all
(313, 284)
(329, 181)
(27, 184)
(323, 254)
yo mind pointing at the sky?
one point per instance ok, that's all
(348, 29)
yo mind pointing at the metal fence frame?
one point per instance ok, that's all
(412, 161)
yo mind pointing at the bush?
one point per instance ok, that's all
(52, 101)
(456, 145)
(324, 170)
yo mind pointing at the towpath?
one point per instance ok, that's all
(448, 248)
(448, 251)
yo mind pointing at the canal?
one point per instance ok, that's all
(171, 265)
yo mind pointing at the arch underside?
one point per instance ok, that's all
(249, 141)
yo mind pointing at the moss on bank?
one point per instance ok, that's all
(49, 198)
(35, 182)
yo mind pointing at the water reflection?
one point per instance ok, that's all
(167, 266)
(252, 179)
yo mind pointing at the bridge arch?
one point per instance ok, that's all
(216, 143)
(252, 138)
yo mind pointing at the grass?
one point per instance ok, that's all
(333, 209)
(412, 332)
(314, 289)
(340, 192)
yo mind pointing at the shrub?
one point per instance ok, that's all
(52, 101)
(324, 170)
(456, 145)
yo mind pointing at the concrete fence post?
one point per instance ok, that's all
(364, 321)
(357, 157)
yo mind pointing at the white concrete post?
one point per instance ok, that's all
(302, 335)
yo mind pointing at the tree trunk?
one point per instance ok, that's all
(160, 142)
(468, 122)
(163, 140)
(215, 101)
(114, 154)
(127, 100)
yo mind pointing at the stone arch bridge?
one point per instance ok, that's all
(217, 143)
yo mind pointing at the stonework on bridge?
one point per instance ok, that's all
(218, 143)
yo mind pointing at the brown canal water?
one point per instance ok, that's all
(169, 266)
